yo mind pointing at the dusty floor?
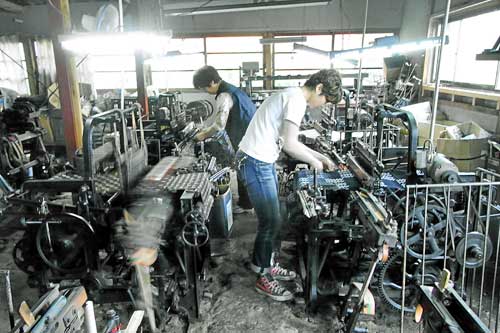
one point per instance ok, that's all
(232, 305)
(236, 307)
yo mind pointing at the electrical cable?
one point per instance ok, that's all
(203, 5)
(469, 158)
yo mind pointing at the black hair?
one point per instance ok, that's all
(204, 76)
(332, 84)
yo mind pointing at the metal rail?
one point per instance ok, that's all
(464, 231)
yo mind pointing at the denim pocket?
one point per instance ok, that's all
(242, 173)
(264, 172)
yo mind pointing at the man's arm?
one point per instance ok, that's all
(327, 162)
(292, 146)
(223, 105)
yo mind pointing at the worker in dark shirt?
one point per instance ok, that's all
(234, 110)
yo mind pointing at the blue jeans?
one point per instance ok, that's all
(261, 181)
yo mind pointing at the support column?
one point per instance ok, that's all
(31, 65)
(69, 92)
(140, 72)
(268, 63)
(148, 19)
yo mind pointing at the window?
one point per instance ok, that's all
(113, 80)
(227, 54)
(371, 66)
(287, 61)
(173, 79)
(467, 38)
(110, 69)
(292, 82)
(176, 71)
(13, 73)
(248, 44)
(45, 61)
(173, 71)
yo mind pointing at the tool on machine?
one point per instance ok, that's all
(324, 219)
(58, 311)
(439, 168)
(386, 111)
(441, 310)
(22, 151)
(84, 238)
(364, 164)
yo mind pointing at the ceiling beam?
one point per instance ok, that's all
(243, 7)
(9, 6)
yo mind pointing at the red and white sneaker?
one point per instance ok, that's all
(266, 285)
(282, 274)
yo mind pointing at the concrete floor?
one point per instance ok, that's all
(20, 289)
(233, 304)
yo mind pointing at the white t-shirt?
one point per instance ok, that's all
(261, 138)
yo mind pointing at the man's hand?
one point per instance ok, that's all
(328, 163)
(318, 165)
(144, 257)
(200, 136)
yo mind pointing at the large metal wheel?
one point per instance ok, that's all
(434, 228)
(62, 242)
(472, 254)
(390, 281)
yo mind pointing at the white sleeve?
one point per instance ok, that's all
(294, 109)
(223, 103)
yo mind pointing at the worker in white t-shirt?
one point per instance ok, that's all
(275, 126)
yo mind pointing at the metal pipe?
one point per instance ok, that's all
(462, 9)
(448, 201)
(90, 323)
(453, 186)
(425, 233)
(438, 67)
(488, 172)
(467, 221)
(498, 313)
(476, 224)
(120, 15)
(488, 210)
(361, 59)
(473, 284)
(201, 10)
(494, 281)
(403, 291)
(10, 302)
(120, 28)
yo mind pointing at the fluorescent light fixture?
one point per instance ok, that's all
(308, 49)
(266, 41)
(243, 7)
(164, 59)
(387, 50)
(174, 53)
(97, 43)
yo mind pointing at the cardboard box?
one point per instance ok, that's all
(424, 130)
(465, 153)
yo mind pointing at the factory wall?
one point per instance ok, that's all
(415, 19)
(35, 19)
(384, 15)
